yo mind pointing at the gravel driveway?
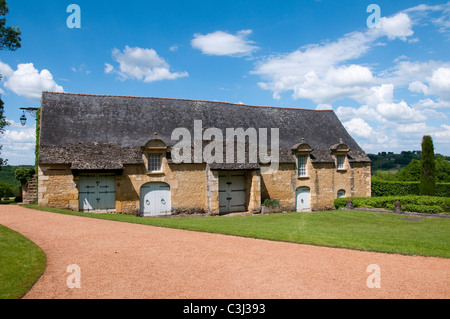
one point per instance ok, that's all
(121, 260)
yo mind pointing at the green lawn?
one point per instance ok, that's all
(21, 264)
(360, 230)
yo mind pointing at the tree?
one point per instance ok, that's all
(10, 40)
(3, 124)
(23, 175)
(9, 36)
(428, 171)
(411, 172)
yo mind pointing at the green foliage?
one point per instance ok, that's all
(391, 188)
(442, 170)
(9, 36)
(23, 175)
(443, 189)
(389, 161)
(396, 188)
(411, 172)
(428, 171)
(424, 209)
(3, 124)
(409, 203)
(6, 190)
(271, 202)
(7, 174)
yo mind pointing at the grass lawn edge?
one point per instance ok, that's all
(160, 223)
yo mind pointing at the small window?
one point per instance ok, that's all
(340, 162)
(154, 162)
(302, 166)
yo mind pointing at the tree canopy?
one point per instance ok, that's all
(9, 36)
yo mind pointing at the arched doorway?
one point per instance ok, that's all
(302, 195)
(155, 199)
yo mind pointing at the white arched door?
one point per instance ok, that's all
(155, 199)
(302, 198)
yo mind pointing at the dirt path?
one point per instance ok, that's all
(120, 260)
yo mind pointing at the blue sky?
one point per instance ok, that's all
(389, 84)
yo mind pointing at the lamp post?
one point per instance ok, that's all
(31, 110)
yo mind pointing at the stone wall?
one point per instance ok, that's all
(194, 187)
(56, 187)
(29, 191)
(323, 180)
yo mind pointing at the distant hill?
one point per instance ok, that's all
(389, 161)
(7, 174)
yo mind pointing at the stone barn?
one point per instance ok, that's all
(153, 156)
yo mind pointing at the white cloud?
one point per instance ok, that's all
(142, 64)
(359, 127)
(315, 71)
(444, 133)
(223, 43)
(365, 112)
(442, 21)
(400, 112)
(28, 81)
(82, 68)
(5, 70)
(398, 26)
(429, 103)
(353, 75)
(108, 68)
(439, 83)
(412, 128)
(436, 83)
(321, 106)
(26, 135)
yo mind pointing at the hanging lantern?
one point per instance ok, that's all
(23, 119)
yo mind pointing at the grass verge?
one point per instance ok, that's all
(21, 263)
(378, 232)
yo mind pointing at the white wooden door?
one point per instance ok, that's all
(155, 199)
(303, 197)
(231, 192)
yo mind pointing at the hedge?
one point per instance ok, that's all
(411, 203)
(396, 188)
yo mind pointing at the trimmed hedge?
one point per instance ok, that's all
(411, 203)
(397, 188)
(418, 208)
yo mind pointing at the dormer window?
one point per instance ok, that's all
(302, 160)
(153, 153)
(302, 151)
(340, 161)
(340, 152)
(154, 163)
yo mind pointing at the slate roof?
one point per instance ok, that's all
(106, 132)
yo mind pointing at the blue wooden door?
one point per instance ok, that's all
(97, 192)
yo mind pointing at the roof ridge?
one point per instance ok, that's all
(178, 99)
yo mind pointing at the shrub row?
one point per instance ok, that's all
(418, 208)
(411, 203)
(397, 188)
